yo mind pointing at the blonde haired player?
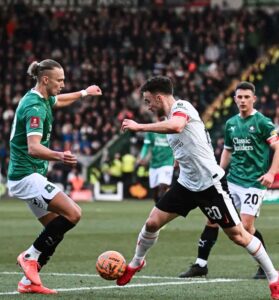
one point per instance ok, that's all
(29, 156)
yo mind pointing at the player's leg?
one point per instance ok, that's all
(147, 237)
(155, 194)
(249, 200)
(168, 208)
(66, 215)
(162, 189)
(219, 208)
(160, 180)
(44, 195)
(153, 183)
(255, 248)
(165, 175)
(248, 222)
(207, 240)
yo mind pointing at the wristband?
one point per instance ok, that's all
(83, 93)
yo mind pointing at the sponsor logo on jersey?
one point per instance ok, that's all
(161, 141)
(34, 122)
(232, 128)
(179, 106)
(242, 144)
(176, 144)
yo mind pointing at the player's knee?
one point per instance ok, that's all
(75, 215)
(238, 238)
(152, 225)
(249, 227)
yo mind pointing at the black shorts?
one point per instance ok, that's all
(215, 202)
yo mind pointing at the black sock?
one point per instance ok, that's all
(45, 256)
(52, 234)
(207, 240)
(259, 236)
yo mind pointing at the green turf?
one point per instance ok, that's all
(115, 226)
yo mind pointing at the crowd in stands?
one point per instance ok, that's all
(118, 49)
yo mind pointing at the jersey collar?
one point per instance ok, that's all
(252, 113)
(36, 92)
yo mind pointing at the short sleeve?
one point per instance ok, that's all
(52, 100)
(269, 131)
(228, 140)
(148, 138)
(180, 110)
(34, 120)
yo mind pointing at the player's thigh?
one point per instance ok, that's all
(251, 199)
(158, 218)
(216, 203)
(178, 200)
(36, 191)
(235, 192)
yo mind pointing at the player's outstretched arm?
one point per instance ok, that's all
(172, 125)
(69, 98)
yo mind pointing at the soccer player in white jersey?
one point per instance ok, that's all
(201, 181)
(248, 138)
(29, 156)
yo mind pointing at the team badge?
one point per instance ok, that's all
(34, 122)
(252, 128)
(49, 188)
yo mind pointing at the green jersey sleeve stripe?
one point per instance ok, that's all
(34, 133)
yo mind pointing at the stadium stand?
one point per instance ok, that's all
(117, 49)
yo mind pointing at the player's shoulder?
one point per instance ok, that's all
(233, 119)
(262, 117)
(30, 99)
(184, 106)
(181, 103)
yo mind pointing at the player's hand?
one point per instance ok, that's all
(69, 158)
(141, 162)
(267, 179)
(128, 124)
(94, 90)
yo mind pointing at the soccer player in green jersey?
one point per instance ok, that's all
(29, 157)
(160, 164)
(248, 138)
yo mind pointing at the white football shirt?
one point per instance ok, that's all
(193, 150)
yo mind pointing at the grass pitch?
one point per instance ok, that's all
(115, 226)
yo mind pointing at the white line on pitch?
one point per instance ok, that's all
(96, 275)
(217, 280)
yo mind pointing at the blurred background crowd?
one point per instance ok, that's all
(118, 48)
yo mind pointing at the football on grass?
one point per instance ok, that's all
(111, 265)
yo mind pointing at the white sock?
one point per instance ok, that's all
(25, 281)
(145, 241)
(32, 253)
(256, 249)
(201, 262)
